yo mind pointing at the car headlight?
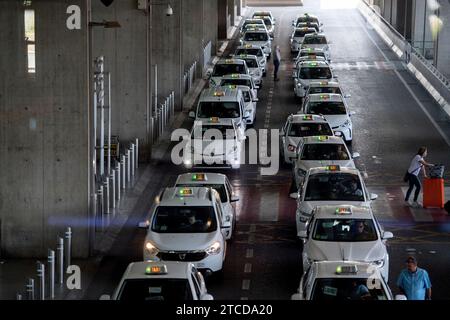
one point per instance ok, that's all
(151, 249)
(346, 124)
(213, 249)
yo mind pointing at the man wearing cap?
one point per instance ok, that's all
(414, 282)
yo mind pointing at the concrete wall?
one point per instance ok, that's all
(44, 140)
(193, 32)
(443, 45)
(223, 21)
(125, 52)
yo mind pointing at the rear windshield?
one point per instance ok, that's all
(223, 69)
(155, 289)
(310, 129)
(219, 109)
(334, 187)
(301, 33)
(324, 152)
(256, 36)
(315, 73)
(324, 90)
(345, 230)
(236, 82)
(251, 63)
(341, 289)
(184, 220)
(327, 108)
(315, 40)
(220, 188)
(254, 52)
(307, 53)
(307, 19)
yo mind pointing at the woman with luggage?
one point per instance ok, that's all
(412, 176)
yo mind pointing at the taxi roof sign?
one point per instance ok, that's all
(313, 64)
(352, 269)
(308, 117)
(186, 192)
(219, 94)
(333, 168)
(156, 270)
(198, 177)
(214, 120)
(323, 138)
(235, 75)
(343, 211)
(324, 97)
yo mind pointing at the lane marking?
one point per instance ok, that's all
(446, 139)
(248, 268)
(244, 298)
(249, 254)
(245, 284)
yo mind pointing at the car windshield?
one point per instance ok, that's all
(184, 220)
(226, 132)
(222, 69)
(267, 21)
(327, 108)
(334, 187)
(254, 52)
(324, 152)
(344, 230)
(307, 19)
(315, 73)
(346, 289)
(324, 90)
(155, 289)
(236, 82)
(256, 36)
(308, 25)
(254, 21)
(301, 33)
(251, 63)
(315, 40)
(310, 129)
(313, 54)
(218, 109)
(220, 188)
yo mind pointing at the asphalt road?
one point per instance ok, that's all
(394, 117)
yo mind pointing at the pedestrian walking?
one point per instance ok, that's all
(414, 282)
(276, 63)
(412, 176)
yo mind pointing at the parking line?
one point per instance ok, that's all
(249, 254)
(248, 268)
(245, 284)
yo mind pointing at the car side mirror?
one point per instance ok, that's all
(338, 134)
(255, 100)
(356, 155)
(388, 235)
(296, 296)
(105, 297)
(373, 196)
(234, 199)
(192, 114)
(347, 96)
(294, 195)
(207, 297)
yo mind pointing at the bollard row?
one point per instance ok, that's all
(162, 117)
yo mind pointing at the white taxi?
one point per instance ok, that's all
(321, 151)
(240, 80)
(314, 25)
(306, 18)
(222, 185)
(214, 144)
(256, 51)
(330, 185)
(252, 27)
(263, 14)
(297, 37)
(186, 224)
(297, 127)
(258, 38)
(317, 41)
(343, 281)
(310, 54)
(346, 233)
(157, 281)
(252, 22)
(334, 108)
(307, 72)
(270, 24)
(254, 67)
(225, 67)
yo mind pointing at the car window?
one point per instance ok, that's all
(334, 187)
(236, 82)
(327, 108)
(345, 230)
(251, 51)
(251, 63)
(256, 36)
(346, 289)
(315, 73)
(223, 69)
(324, 152)
(324, 90)
(184, 220)
(155, 289)
(219, 109)
(310, 129)
(220, 188)
(315, 40)
(302, 33)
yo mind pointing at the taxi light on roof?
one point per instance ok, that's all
(151, 270)
(229, 61)
(199, 177)
(343, 211)
(232, 86)
(235, 75)
(308, 117)
(324, 97)
(323, 138)
(219, 94)
(333, 168)
(248, 46)
(313, 64)
(324, 83)
(186, 192)
(347, 269)
(214, 120)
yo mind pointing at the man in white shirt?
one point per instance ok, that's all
(417, 163)
(276, 62)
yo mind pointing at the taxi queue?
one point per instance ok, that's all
(344, 247)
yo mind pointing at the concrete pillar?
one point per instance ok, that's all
(126, 51)
(231, 13)
(443, 42)
(167, 48)
(223, 21)
(239, 7)
(44, 131)
(211, 21)
(193, 33)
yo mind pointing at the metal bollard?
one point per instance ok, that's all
(60, 250)
(18, 296)
(137, 153)
(118, 182)
(69, 246)
(112, 181)
(51, 273)
(30, 289)
(133, 161)
(106, 196)
(128, 166)
(100, 201)
(41, 277)
(122, 162)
